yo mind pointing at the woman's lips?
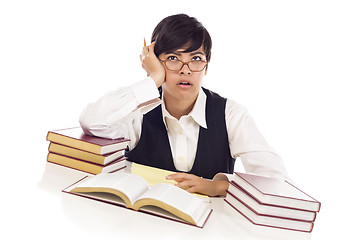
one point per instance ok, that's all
(184, 84)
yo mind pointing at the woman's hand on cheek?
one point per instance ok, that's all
(195, 184)
(154, 68)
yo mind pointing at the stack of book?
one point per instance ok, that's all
(72, 148)
(272, 202)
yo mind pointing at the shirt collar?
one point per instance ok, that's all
(198, 113)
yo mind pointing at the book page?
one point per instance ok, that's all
(155, 176)
(178, 199)
(131, 185)
(152, 175)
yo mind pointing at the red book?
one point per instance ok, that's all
(276, 192)
(85, 156)
(76, 138)
(265, 209)
(268, 221)
(133, 192)
(84, 166)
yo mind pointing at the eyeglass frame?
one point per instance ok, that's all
(184, 63)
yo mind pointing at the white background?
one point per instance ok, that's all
(293, 64)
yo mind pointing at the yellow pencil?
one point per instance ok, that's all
(145, 46)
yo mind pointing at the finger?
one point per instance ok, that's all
(151, 47)
(188, 187)
(180, 176)
(191, 190)
(144, 54)
(146, 49)
(185, 184)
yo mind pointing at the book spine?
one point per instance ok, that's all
(82, 165)
(73, 142)
(267, 225)
(73, 164)
(102, 160)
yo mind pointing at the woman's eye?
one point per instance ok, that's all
(172, 58)
(196, 58)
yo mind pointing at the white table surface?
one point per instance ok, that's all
(39, 209)
(61, 215)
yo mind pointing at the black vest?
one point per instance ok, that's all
(213, 152)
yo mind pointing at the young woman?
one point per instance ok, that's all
(174, 123)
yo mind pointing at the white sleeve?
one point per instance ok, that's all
(119, 113)
(246, 142)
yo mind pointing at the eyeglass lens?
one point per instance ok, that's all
(193, 65)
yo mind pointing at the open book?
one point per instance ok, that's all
(133, 192)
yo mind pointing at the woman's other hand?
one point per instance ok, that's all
(154, 68)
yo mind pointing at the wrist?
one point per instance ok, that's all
(221, 187)
(158, 78)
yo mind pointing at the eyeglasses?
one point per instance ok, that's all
(177, 65)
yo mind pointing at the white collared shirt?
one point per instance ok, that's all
(183, 133)
(120, 114)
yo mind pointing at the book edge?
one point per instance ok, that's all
(85, 171)
(257, 224)
(279, 196)
(236, 185)
(116, 141)
(267, 215)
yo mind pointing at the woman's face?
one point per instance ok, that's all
(183, 84)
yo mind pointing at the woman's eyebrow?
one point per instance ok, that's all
(177, 53)
(196, 53)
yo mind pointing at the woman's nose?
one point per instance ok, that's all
(185, 69)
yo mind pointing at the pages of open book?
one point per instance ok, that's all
(194, 206)
(131, 185)
(177, 198)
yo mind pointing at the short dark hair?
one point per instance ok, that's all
(177, 31)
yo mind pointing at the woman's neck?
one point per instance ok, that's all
(178, 108)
